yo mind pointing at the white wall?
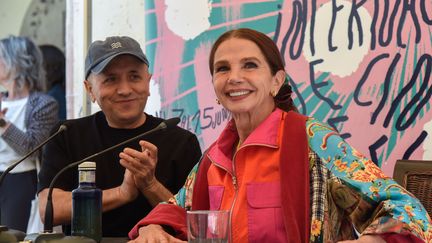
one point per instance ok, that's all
(113, 17)
(11, 16)
(42, 21)
(76, 47)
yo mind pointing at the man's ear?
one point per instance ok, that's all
(89, 88)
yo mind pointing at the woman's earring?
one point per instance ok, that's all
(273, 93)
(217, 101)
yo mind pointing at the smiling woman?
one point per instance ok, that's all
(240, 81)
(283, 176)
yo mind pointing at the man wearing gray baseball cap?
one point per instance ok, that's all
(134, 177)
(101, 53)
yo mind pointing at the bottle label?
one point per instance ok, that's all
(87, 176)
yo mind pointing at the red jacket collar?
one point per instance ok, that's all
(267, 133)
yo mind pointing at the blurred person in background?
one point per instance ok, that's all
(54, 64)
(26, 118)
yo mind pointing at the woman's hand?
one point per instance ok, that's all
(366, 239)
(154, 233)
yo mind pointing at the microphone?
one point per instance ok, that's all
(12, 166)
(48, 225)
(5, 233)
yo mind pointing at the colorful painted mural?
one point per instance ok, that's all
(362, 66)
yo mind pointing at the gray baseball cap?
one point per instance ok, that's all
(101, 53)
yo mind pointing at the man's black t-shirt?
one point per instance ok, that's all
(178, 152)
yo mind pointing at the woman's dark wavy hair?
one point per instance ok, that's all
(54, 63)
(272, 55)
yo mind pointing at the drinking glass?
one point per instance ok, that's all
(208, 226)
